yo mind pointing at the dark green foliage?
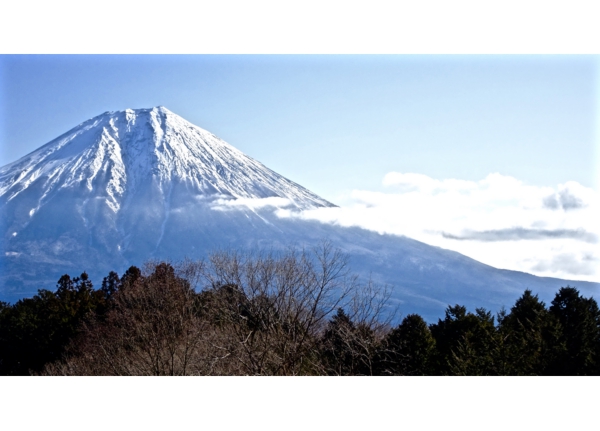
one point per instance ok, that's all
(337, 349)
(130, 277)
(527, 334)
(466, 343)
(36, 330)
(407, 349)
(110, 284)
(348, 348)
(579, 334)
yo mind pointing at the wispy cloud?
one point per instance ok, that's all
(499, 220)
(519, 233)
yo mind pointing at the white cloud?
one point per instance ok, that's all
(224, 204)
(499, 220)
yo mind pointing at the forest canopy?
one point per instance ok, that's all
(295, 312)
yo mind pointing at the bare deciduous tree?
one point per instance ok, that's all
(261, 313)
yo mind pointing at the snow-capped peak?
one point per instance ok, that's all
(116, 153)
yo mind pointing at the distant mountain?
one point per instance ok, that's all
(131, 185)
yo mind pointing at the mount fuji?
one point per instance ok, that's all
(133, 185)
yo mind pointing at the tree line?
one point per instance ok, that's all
(282, 313)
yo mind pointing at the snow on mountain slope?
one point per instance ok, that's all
(119, 151)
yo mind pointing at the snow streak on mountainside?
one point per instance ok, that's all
(116, 153)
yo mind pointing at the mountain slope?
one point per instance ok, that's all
(127, 186)
(117, 152)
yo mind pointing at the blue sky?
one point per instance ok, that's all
(493, 156)
(334, 123)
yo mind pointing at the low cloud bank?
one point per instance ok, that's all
(499, 220)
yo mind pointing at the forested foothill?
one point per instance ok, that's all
(282, 313)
